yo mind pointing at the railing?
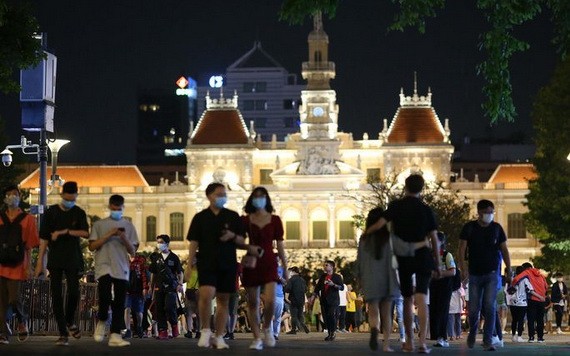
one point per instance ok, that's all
(36, 300)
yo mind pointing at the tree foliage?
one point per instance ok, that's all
(498, 43)
(548, 202)
(18, 48)
(450, 208)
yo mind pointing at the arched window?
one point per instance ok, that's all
(150, 228)
(516, 229)
(346, 229)
(176, 226)
(292, 222)
(319, 224)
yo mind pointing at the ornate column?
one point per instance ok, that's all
(162, 219)
(304, 222)
(332, 221)
(138, 222)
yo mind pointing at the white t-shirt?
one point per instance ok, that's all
(456, 301)
(342, 296)
(520, 296)
(112, 258)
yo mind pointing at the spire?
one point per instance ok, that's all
(318, 21)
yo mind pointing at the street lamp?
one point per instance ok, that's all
(54, 147)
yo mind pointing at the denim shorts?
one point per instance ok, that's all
(135, 303)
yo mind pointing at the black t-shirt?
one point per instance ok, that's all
(412, 219)
(483, 245)
(66, 251)
(172, 262)
(206, 228)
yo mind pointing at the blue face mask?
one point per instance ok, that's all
(220, 202)
(68, 204)
(259, 203)
(116, 214)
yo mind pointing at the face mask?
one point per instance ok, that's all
(559, 279)
(116, 214)
(487, 218)
(220, 202)
(13, 201)
(259, 203)
(162, 247)
(68, 204)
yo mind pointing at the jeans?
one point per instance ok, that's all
(277, 312)
(439, 298)
(330, 315)
(115, 300)
(297, 318)
(558, 312)
(67, 317)
(535, 315)
(341, 317)
(454, 325)
(166, 304)
(10, 297)
(482, 294)
(398, 304)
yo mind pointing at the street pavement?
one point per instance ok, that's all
(288, 345)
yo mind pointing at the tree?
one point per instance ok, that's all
(499, 42)
(18, 47)
(8, 175)
(548, 202)
(450, 208)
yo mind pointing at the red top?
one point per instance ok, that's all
(266, 269)
(31, 239)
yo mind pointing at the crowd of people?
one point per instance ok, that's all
(405, 280)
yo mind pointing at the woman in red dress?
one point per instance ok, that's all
(262, 228)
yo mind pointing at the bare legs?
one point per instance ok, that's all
(253, 307)
(377, 311)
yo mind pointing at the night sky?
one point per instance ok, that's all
(108, 50)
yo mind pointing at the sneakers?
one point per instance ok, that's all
(175, 331)
(541, 341)
(256, 344)
(269, 339)
(4, 340)
(62, 341)
(531, 340)
(515, 338)
(305, 328)
(162, 335)
(558, 331)
(471, 340)
(188, 335)
(99, 334)
(441, 343)
(128, 334)
(219, 343)
(205, 336)
(229, 336)
(495, 341)
(115, 340)
(292, 332)
(489, 348)
(23, 333)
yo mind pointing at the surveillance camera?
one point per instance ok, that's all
(6, 157)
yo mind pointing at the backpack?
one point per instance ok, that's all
(456, 279)
(135, 286)
(12, 246)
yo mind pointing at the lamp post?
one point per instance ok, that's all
(54, 147)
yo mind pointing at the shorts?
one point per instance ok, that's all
(135, 303)
(421, 265)
(223, 280)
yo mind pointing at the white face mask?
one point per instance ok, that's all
(162, 247)
(487, 218)
(13, 201)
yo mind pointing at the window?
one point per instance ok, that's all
(292, 122)
(254, 87)
(261, 123)
(265, 176)
(176, 226)
(289, 104)
(260, 105)
(260, 87)
(248, 87)
(516, 226)
(150, 228)
(292, 230)
(248, 105)
(320, 230)
(345, 230)
(373, 175)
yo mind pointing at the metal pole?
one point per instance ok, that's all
(43, 157)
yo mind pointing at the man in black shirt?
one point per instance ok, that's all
(486, 243)
(166, 281)
(62, 227)
(326, 289)
(216, 232)
(413, 221)
(296, 288)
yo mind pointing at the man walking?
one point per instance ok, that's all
(327, 289)
(486, 243)
(62, 228)
(296, 289)
(558, 298)
(18, 235)
(412, 221)
(216, 232)
(113, 239)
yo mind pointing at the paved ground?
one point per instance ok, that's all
(288, 345)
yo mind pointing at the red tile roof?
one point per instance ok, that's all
(513, 174)
(220, 127)
(93, 176)
(415, 125)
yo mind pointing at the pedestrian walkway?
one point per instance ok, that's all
(301, 344)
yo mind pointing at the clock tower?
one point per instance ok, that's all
(318, 111)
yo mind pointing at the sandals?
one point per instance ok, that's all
(74, 331)
(407, 348)
(23, 332)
